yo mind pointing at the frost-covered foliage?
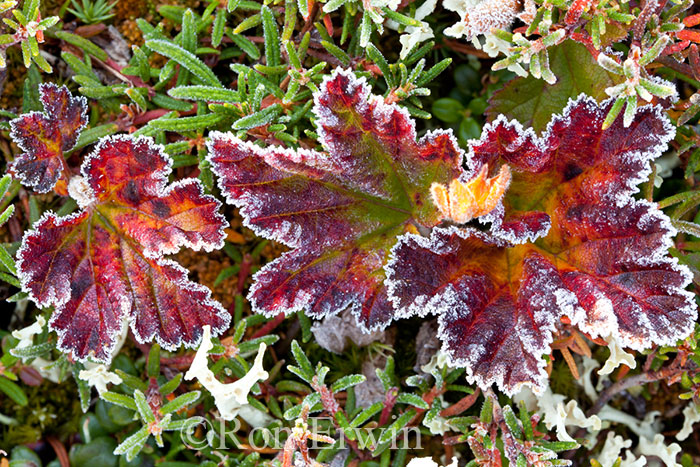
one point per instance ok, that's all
(106, 259)
(26, 29)
(340, 210)
(600, 257)
(46, 136)
(479, 17)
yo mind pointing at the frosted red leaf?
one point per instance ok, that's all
(340, 210)
(46, 136)
(569, 239)
(104, 264)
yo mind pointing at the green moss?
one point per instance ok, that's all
(53, 409)
(562, 381)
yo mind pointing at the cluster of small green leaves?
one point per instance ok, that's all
(10, 369)
(26, 29)
(24, 362)
(13, 361)
(366, 429)
(637, 83)
(598, 19)
(591, 23)
(651, 35)
(374, 16)
(92, 13)
(253, 67)
(371, 430)
(532, 51)
(154, 416)
(517, 438)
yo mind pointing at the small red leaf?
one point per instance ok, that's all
(30, 376)
(342, 209)
(104, 264)
(45, 136)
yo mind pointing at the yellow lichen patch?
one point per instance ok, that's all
(463, 201)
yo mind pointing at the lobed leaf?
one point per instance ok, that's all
(104, 264)
(340, 210)
(46, 136)
(567, 240)
(532, 101)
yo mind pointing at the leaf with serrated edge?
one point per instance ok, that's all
(106, 260)
(340, 210)
(45, 136)
(532, 101)
(599, 257)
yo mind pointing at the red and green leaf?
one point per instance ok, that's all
(340, 210)
(603, 262)
(104, 265)
(46, 136)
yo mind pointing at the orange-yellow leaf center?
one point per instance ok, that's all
(463, 201)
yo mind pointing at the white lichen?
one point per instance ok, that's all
(691, 412)
(612, 449)
(230, 398)
(47, 369)
(557, 413)
(648, 427)
(99, 376)
(618, 357)
(437, 424)
(657, 447)
(26, 335)
(437, 362)
(665, 166)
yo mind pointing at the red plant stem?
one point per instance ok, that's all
(465, 48)
(461, 405)
(694, 59)
(180, 363)
(675, 65)
(244, 271)
(269, 326)
(636, 380)
(116, 69)
(330, 405)
(60, 450)
(389, 402)
(148, 116)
